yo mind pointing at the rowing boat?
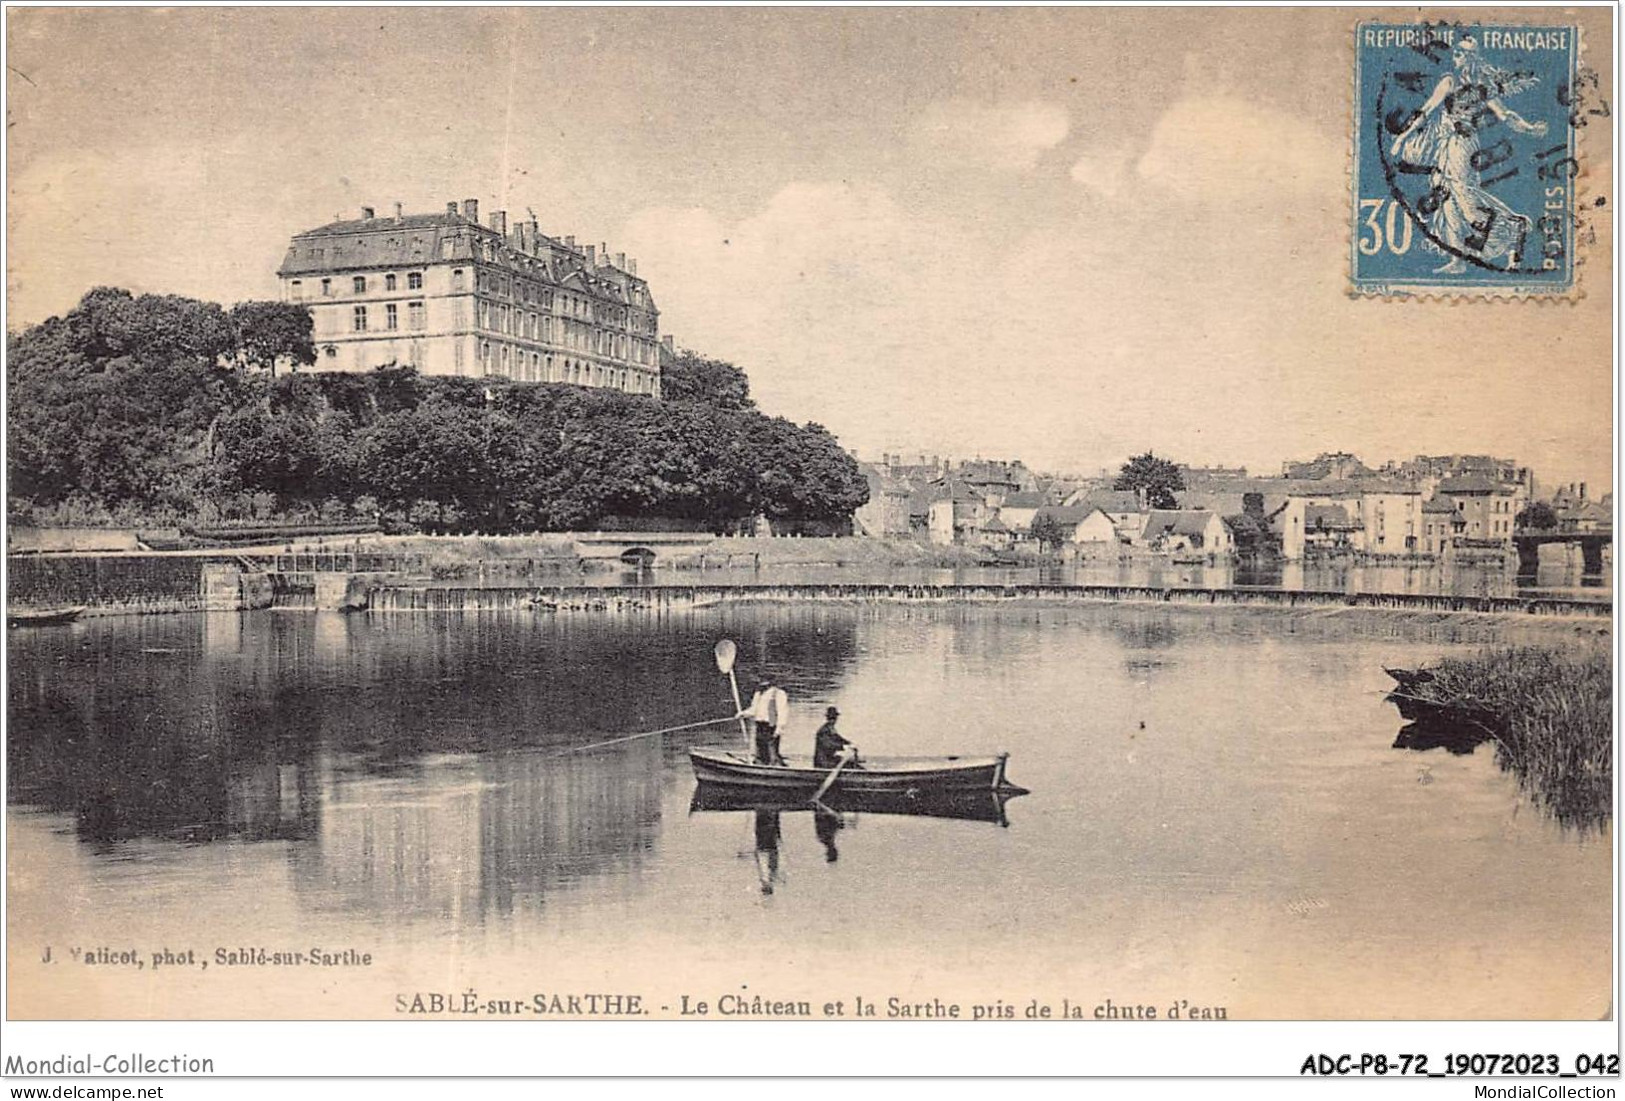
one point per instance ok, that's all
(874, 774)
(41, 617)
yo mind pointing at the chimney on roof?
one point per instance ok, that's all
(499, 221)
(571, 241)
(667, 340)
(451, 209)
(524, 237)
(398, 214)
(620, 260)
(1582, 491)
(592, 258)
(632, 267)
(367, 213)
(471, 210)
(603, 253)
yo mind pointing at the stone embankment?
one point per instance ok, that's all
(159, 583)
(409, 598)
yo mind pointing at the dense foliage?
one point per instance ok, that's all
(1540, 516)
(687, 376)
(1156, 479)
(143, 409)
(1047, 531)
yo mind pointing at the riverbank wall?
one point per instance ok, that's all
(116, 583)
(665, 598)
(163, 583)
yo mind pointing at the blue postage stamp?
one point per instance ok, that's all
(1465, 158)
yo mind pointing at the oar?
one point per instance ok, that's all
(846, 755)
(726, 652)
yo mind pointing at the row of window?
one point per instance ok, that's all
(486, 282)
(537, 367)
(493, 254)
(490, 282)
(358, 284)
(528, 325)
(392, 317)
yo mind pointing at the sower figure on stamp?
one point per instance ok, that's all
(769, 708)
(1444, 136)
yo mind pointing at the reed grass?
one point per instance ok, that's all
(1552, 721)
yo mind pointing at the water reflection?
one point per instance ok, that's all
(767, 848)
(968, 806)
(1431, 578)
(203, 730)
(400, 782)
(400, 845)
(1459, 740)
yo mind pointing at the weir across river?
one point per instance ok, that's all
(163, 583)
(630, 598)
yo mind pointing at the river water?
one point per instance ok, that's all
(1430, 579)
(1218, 816)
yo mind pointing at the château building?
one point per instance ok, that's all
(449, 296)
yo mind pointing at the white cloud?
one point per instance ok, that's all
(1005, 137)
(1104, 171)
(1221, 149)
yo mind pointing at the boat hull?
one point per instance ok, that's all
(899, 775)
(41, 617)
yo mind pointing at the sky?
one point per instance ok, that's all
(1063, 235)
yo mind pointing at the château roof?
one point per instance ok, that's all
(357, 244)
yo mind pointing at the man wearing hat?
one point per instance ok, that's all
(770, 707)
(829, 745)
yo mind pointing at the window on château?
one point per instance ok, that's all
(414, 314)
(391, 318)
(456, 279)
(298, 290)
(389, 281)
(360, 282)
(414, 280)
(360, 319)
(327, 288)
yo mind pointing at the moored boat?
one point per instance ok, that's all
(873, 774)
(41, 617)
(1408, 678)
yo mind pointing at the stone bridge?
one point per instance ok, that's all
(640, 547)
(1591, 544)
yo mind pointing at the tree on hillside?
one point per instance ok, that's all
(110, 322)
(140, 406)
(268, 332)
(1538, 516)
(685, 376)
(802, 472)
(1156, 480)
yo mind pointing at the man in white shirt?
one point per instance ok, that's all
(770, 707)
